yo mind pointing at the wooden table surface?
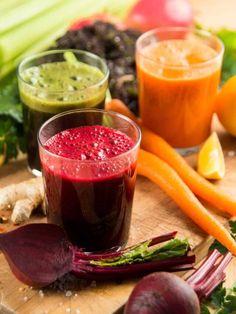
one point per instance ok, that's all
(153, 213)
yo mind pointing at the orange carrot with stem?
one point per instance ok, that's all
(200, 186)
(168, 180)
(159, 147)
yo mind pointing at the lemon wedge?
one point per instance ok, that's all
(211, 163)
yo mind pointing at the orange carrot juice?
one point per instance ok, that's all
(178, 75)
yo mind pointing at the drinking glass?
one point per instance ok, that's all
(55, 81)
(90, 199)
(178, 72)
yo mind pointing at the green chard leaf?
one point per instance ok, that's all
(141, 253)
(173, 248)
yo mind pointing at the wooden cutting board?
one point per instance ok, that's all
(153, 213)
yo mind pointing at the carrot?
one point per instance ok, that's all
(200, 186)
(169, 181)
(159, 147)
(118, 106)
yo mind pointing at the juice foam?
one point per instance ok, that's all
(89, 143)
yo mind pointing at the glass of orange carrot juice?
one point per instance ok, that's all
(178, 73)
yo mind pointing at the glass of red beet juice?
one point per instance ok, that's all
(88, 160)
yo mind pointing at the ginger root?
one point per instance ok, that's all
(22, 198)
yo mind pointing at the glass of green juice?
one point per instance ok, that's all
(55, 81)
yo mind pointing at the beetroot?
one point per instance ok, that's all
(38, 254)
(162, 293)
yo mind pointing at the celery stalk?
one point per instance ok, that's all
(7, 5)
(16, 41)
(44, 43)
(47, 40)
(24, 12)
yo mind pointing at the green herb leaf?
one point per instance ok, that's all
(230, 303)
(218, 246)
(204, 309)
(221, 301)
(228, 38)
(11, 126)
(9, 98)
(218, 295)
(11, 137)
(232, 225)
(222, 311)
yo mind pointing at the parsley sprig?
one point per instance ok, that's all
(221, 301)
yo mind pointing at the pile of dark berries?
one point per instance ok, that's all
(117, 47)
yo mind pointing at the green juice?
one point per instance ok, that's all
(53, 87)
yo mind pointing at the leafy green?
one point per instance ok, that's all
(11, 126)
(141, 253)
(9, 98)
(229, 61)
(218, 295)
(221, 301)
(173, 248)
(232, 225)
(217, 245)
(230, 302)
(204, 309)
(228, 38)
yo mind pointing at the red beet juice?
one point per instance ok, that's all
(92, 198)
